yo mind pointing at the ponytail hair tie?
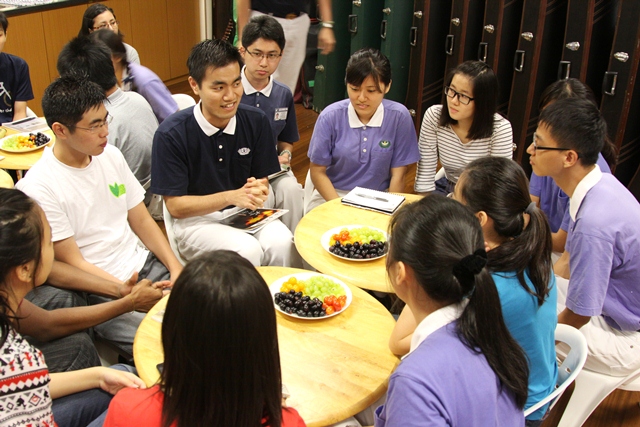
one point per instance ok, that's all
(531, 208)
(465, 269)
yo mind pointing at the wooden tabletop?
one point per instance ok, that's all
(333, 368)
(365, 274)
(22, 161)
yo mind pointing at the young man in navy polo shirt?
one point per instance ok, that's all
(602, 255)
(263, 41)
(210, 160)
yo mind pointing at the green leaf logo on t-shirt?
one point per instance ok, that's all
(117, 189)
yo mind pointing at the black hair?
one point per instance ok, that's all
(222, 364)
(4, 23)
(500, 188)
(263, 27)
(368, 62)
(485, 98)
(90, 14)
(432, 237)
(82, 56)
(21, 234)
(68, 98)
(211, 53)
(574, 88)
(576, 124)
(113, 41)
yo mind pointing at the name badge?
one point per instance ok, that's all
(280, 114)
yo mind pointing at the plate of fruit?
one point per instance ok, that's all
(310, 296)
(24, 142)
(355, 242)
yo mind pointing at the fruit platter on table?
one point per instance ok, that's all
(310, 295)
(24, 142)
(355, 242)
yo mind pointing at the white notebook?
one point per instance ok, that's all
(374, 200)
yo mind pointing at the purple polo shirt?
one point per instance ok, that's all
(359, 155)
(553, 201)
(604, 248)
(443, 382)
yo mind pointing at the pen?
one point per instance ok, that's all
(365, 196)
(26, 119)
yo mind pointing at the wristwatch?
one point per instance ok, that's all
(283, 152)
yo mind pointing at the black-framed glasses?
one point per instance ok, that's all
(98, 126)
(462, 98)
(111, 24)
(540, 147)
(260, 56)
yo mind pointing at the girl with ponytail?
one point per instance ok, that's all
(464, 368)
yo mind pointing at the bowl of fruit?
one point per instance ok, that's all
(24, 142)
(355, 242)
(310, 296)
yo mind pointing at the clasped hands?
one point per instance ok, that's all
(253, 194)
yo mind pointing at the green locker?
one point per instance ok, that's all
(395, 42)
(329, 80)
(364, 23)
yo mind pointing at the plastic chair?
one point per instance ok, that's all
(183, 100)
(570, 367)
(168, 225)
(591, 389)
(308, 191)
(30, 113)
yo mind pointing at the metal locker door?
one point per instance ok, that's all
(587, 41)
(329, 80)
(465, 32)
(364, 23)
(499, 43)
(535, 65)
(428, 59)
(395, 43)
(621, 92)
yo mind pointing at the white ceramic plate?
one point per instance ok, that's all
(25, 150)
(275, 288)
(326, 239)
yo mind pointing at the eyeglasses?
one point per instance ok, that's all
(462, 98)
(110, 24)
(539, 147)
(98, 126)
(260, 56)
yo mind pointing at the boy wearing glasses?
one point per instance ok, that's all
(94, 202)
(263, 41)
(15, 84)
(601, 260)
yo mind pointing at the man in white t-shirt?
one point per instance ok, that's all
(94, 202)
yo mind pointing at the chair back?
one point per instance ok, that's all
(168, 225)
(30, 113)
(308, 192)
(570, 367)
(183, 100)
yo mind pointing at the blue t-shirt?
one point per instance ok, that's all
(15, 84)
(533, 327)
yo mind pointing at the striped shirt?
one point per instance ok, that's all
(442, 143)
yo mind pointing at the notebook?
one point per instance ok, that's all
(374, 200)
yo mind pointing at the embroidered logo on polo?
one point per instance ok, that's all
(117, 189)
(384, 144)
(244, 151)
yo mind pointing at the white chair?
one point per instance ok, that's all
(570, 367)
(30, 113)
(168, 226)
(183, 100)
(308, 191)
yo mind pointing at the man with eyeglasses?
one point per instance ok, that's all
(602, 254)
(263, 43)
(95, 204)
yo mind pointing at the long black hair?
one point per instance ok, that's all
(499, 187)
(21, 233)
(485, 98)
(442, 242)
(222, 365)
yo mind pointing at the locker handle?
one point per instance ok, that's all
(609, 83)
(383, 29)
(482, 51)
(353, 24)
(564, 70)
(413, 36)
(518, 61)
(448, 45)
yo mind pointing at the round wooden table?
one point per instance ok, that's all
(333, 368)
(23, 161)
(366, 274)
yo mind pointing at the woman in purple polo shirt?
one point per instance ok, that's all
(364, 141)
(463, 368)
